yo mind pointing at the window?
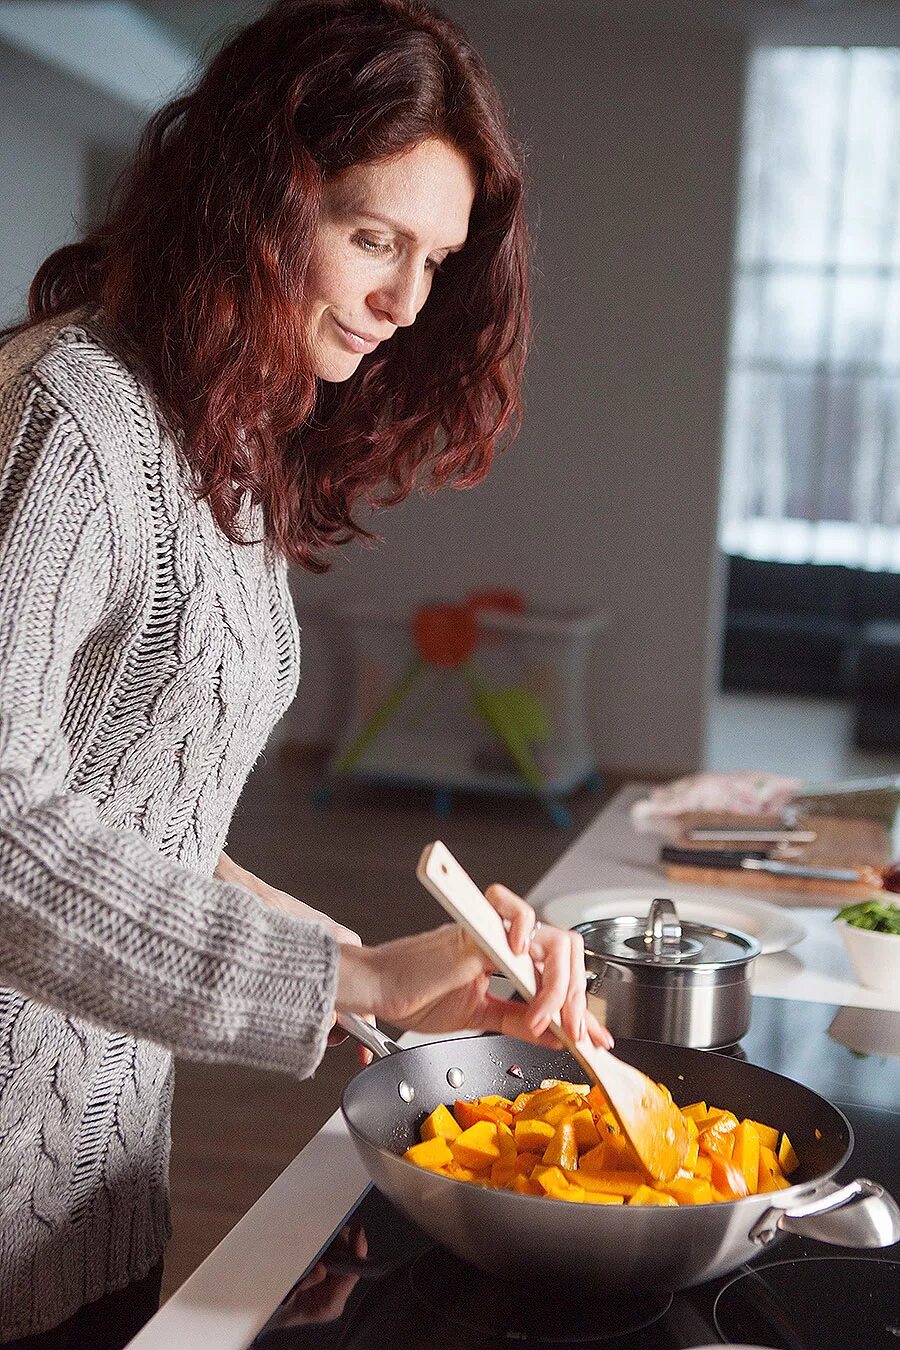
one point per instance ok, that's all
(812, 418)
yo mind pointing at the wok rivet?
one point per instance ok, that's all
(456, 1078)
(407, 1091)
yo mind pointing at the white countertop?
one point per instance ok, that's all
(611, 853)
(237, 1288)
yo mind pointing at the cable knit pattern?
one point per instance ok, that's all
(143, 662)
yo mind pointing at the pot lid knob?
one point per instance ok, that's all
(663, 931)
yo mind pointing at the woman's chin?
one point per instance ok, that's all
(335, 367)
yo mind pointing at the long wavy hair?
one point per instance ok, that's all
(199, 269)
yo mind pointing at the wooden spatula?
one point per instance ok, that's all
(655, 1128)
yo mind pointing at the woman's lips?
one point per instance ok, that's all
(353, 341)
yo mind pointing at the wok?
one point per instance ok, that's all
(619, 1248)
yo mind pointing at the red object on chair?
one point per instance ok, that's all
(446, 635)
(511, 602)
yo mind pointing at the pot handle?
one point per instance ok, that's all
(860, 1214)
(368, 1035)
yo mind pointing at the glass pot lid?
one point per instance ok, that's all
(662, 939)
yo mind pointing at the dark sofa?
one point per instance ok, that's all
(807, 628)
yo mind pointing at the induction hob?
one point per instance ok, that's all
(381, 1282)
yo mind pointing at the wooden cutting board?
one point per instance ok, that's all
(838, 843)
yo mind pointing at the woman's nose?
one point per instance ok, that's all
(402, 298)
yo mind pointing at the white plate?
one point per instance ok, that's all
(773, 928)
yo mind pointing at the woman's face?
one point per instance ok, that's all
(384, 230)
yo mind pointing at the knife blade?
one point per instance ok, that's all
(723, 859)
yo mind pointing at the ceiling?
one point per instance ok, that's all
(201, 24)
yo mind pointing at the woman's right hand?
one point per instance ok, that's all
(438, 981)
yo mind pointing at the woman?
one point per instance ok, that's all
(206, 388)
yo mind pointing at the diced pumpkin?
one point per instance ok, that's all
(562, 1149)
(787, 1157)
(477, 1146)
(646, 1195)
(533, 1136)
(586, 1136)
(525, 1186)
(746, 1154)
(617, 1183)
(543, 1175)
(715, 1141)
(506, 1143)
(691, 1190)
(770, 1177)
(440, 1124)
(458, 1173)
(503, 1175)
(431, 1153)
(563, 1141)
(471, 1113)
(767, 1134)
(527, 1162)
(728, 1179)
(555, 1183)
(542, 1101)
(581, 1089)
(696, 1111)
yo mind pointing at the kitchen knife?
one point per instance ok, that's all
(749, 834)
(700, 857)
(714, 857)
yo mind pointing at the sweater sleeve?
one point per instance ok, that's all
(93, 920)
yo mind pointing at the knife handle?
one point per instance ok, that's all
(709, 857)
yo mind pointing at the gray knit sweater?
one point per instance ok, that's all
(143, 662)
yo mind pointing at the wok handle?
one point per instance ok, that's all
(368, 1035)
(860, 1214)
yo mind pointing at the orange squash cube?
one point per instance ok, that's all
(767, 1134)
(691, 1190)
(787, 1157)
(562, 1149)
(477, 1146)
(439, 1125)
(532, 1136)
(746, 1154)
(728, 1179)
(431, 1154)
(646, 1195)
(586, 1136)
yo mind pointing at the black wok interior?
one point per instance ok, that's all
(374, 1107)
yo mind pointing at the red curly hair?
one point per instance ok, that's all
(199, 268)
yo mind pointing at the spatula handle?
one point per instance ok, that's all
(452, 887)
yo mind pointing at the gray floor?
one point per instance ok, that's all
(806, 738)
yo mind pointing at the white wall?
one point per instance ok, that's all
(40, 190)
(57, 137)
(610, 494)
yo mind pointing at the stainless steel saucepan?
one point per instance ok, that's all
(614, 1248)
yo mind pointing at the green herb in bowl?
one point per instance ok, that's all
(878, 916)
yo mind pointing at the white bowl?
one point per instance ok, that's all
(874, 956)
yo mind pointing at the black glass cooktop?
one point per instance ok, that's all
(382, 1283)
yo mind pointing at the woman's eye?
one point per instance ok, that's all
(373, 246)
